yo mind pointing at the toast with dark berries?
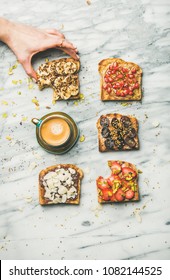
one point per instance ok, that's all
(117, 132)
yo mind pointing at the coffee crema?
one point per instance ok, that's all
(55, 131)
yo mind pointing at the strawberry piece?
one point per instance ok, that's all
(114, 179)
(129, 194)
(106, 194)
(120, 195)
(115, 167)
(102, 183)
(128, 173)
(113, 198)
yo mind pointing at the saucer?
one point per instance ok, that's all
(58, 150)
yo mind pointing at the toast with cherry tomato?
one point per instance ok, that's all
(121, 185)
(117, 132)
(120, 80)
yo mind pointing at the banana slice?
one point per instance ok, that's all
(73, 89)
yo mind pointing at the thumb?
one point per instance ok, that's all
(29, 69)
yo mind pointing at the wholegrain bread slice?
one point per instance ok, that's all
(67, 176)
(124, 185)
(119, 135)
(62, 76)
(114, 88)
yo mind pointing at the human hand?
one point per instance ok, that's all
(25, 41)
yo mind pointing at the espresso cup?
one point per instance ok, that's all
(56, 132)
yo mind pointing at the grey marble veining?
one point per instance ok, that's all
(136, 31)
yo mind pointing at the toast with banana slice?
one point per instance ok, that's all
(62, 76)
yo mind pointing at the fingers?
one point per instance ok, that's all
(72, 53)
(28, 68)
(62, 42)
(66, 44)
(55, 32)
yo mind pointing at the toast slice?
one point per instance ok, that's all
(117, 133)
(121, 186)
(60, 184)
(120, 80)
(62, 76)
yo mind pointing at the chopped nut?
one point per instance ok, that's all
(140, 171)
(15, 82)
(4, 115)
(82, 96)
(125, 104)
(3, 102)
(82, 138)
(30, 86)
(35, 101)
(24, 119)
(8, 138)
(75, 103)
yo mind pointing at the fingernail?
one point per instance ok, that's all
(34, 80)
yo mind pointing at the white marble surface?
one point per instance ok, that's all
(136, 31)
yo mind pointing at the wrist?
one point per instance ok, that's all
(5, 30)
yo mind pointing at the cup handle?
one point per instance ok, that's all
(37, 122)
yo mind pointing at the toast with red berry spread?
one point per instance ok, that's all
(117, 132)
(121, 185)
(62, 76)
(60, 184)
(120, 80)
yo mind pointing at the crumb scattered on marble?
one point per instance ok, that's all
(32, 165)
(88, 2)
(137, 213)
(155, 124)
(125, 104)
(86, 170)
(28, 199)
